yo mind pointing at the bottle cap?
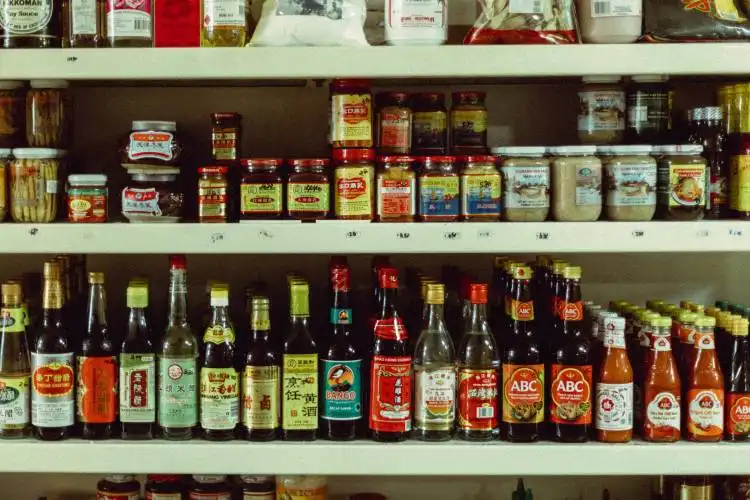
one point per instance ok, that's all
(424, 283)
(478, 293)
(119, 478)
(260, 302)
(741, 327)
(96, 278)
(137, 296)
(220, 295)
(11, 293)
(558, 266)
(685, 316)
(522, 272)
(256, 479)
(178, 262)
(388, 277)
(655, 304)
(662, 322)
(572, 273)
(210, 479)
(435, 293)
(705, 322)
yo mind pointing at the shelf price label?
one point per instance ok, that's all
(217, 237)
(264, 234)
(703, 233)
(403, 235)
(452, 235)
(737, 233)
(638, 234)
(543, 236)
(484, 235)
(353, 235)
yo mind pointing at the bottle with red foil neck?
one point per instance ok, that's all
(390, 367)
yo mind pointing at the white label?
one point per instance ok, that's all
(422, 14)
(704, 341)
(137, 388)
(128, 23)
(527, 6)
(616, 8)
(137, 201)
(589, 185)
(637, 114)
(51, 187)
(52, 390)
(526, 187)
(435, 398)
(661, 343)
(223, 13)
(23, 17)
(706, 409)
(14, 401)
(219, 399)
(83, 16)
(601, 110)
(631, 185)
(663, 411)
(614, 407)
(156, 145)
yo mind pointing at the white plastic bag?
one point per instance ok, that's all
(311, 22)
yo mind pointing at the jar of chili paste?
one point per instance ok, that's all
(261, 189)
(351, 114)
(213, 189)
(354, 184)
(308, 189)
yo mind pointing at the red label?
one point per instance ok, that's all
(87, 207)
(355, 112)
(522, 311)
(477, 399)
(570, 394)
(351, 188)
(705, 413)
(134, 194)
(106, 495)
(139, 5)
(53, 380)
(523, 393)
(390, 394)
(390, 329)
(738, 414)
(570, 311)
(177, 24)
(394, 130)
(97, 389)
(138, 383)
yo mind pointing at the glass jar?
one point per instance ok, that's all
(394, 123)
(468, 123)
(525, 179)
(153, 195)
(5, 163)
(213, 194)
(649, 104)
(34, 178)
(397, 189)
(12, 100)
(154, 143)
(354, 184)
(480, 189)
(631, 184)
(297, 487)
(224, 23)
(711, 135)
(439, 189)
(47, 113)
(164, 487)
(681, 183)
(258, 488)
(83, 23)
(576, 183)
(87, 198)
(601, 112)
(261, 189)
(351, 114)
(226, 137)
(429, 132)
(609, 22)
(30, 25)
(130, 24)
(118, 486)
(205, 487)
(308, 192)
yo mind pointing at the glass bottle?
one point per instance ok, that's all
(15, 366)
(219, 391)
(299, 402)
(661, 387)
(694, 488)
(52, 403)
(224, 23)
(82, 23)
(178, 383)
(434, 372)
(737, 408)
(129, 25)
(478, 364)
(704, 401)
(97, 368)
(614, 387)
(137, 369)
(261, 384)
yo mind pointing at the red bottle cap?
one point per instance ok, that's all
(214, 169)
(478, 293)
(353, 155)
(178, 262)
(388, 277)
(340, 278)
(350, 83)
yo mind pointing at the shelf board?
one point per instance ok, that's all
(455, 61)
(343, 237)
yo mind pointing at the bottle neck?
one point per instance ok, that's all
(260, 324)
(388, 301)
(219, 315)
(137, 321)
(97, 306)
(177, 297)
(434, 317)
(477, 318)
(52, 303)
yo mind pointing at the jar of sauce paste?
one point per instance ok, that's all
(394, 123)
(204, 487)
(429, 124)
(164, 487)
(468, 123)
(151, 143)
(118, 487)
(351, 114)
(258, 488)
(354, 184)
(439, 189)
(87, 198)
(480, 189)
(213, 194)
(261, 189)
(308, 189)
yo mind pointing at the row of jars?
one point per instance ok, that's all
(37, 117)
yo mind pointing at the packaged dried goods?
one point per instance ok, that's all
(601, 115)
(397, 189)
(439, 189)
(261, 189)
(153, 195)
(34, 178)
(130, 24)
(576, 183)
(354, 184)
(87, 198)
(29, 25)
(468, 123)
(47, 113)
(308, 192)
(416, 23)
(83, 24)
(649, 103)
(526, 183)
(213, 194)
(5, 163)
(523, 22)
(429, 124)
(393, 123)
(630, 176)
(351, 114)
(224, 23)
(288, 23)
(177, 24)
(151, 143)
(480, 189)
(12, 100)
(681, 183)
(610, 21)
(677, 21)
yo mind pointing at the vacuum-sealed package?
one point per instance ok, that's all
(524, 22)
(695, 20)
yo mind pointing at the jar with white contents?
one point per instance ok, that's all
(631, 183)
(610, 21)
(415, 22)
(525, 174)
(576, 183)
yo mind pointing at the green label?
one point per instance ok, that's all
(299, 392)
(178, 394)
(217, 334)
(12, 320)
(341, 316)
(341, 389)
(307, 197)
(261, 198)
(137, 388)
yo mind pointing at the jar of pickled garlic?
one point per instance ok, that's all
(34, 178)
(397, 193)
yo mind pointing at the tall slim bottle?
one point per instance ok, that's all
(737, 411)
(15, 366)
(53, 406)
(299, 375)
(137, 369)
(178, 376)
(97, 368)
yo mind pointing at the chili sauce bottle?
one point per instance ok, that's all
(614, 387)
(705, 388)
(661, 387)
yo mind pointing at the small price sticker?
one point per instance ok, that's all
(353, 235)
(484, 235)
(403, 235)
(217, 237)
(703, 233)
(637, 234)
(735, 232)
(265, 234)
(452, 235)
(542, 236)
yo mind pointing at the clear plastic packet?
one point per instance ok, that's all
(524, 22)
(695, 20)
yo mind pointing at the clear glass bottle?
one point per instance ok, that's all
(83, 23)
(15, 365)
(224, 23)
(129, 26)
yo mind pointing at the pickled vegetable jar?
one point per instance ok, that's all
(34, 178)
(47, 114)
(5, 161)
(11, 114)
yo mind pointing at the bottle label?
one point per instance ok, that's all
(341, 316)
(526, 187)
(24, 18)
(52, 390)
(522, 311)
(341, 387)
(396, 197)
(220, 399)
(477, 399)
(258, 495)
(224, 13)
(261, 397)
(390, 393)
(589, 185)
(480, 194)
(429, 130)
(261, 198)
(150, 145)
(178, 392)
(194, 495)
(137, 201)
(83, 17)
(718, 190)
(438, 196)
(308, 197)
(390, 329)
(97, 389)
(217, 334)
(12, 320)
(300, 493)
(570, 394)
(705, 412)
(410, 14)
(131, 19)
(682, 185)
(469, 127)
(14, 402)
(354, 194)
(108, 495)
(137, 388)
(615, 8)
(395, 128)
(570, 311)
(738, 414)
(435, 399)
(614, 403)
(163, 496)
(351, 118)
(523, 393)
(631, 185)
(660, 343)
(300, 392)
(601, 110)
(662, 412)
(224, 141)
(739, 183)
(704, 341)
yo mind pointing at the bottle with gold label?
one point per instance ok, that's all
(15, 366)
(219, 391)
(694, 488)
(260, 388)
(299, 375)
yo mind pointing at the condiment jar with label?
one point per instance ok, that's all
(468, 123)
(151, 143)
(308, 191)
(302, 487)
(258, 488)
(394, 123)
(82, 24)
(681, 183)
(354, 184)
(261, 189)
(576, 183)
(429, 124)
(29, 25)
(34, 179)
(649, 107)
(601, 111)
(351, 114)
(207, 487)
(118, 487)
(525, 178)
(480, 189)
(48, 113)
(631, 184)
(213, 194)
(153, 195)
(439, 189)
(610, 21)
(87, 198)
(164, 487)
(397, 189)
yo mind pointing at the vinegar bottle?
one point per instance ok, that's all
(614, 389)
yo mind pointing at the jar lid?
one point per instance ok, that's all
(396, 159)
(394, 96)
(601, 79)
(261, 162)
(688, 149)
(119, 478)
(37, 153)
(87, 179)
(152, 170)
(572, 150)
(256, 479)
(520, 151)
(344, 83)
(635, 149)
(202, 478)
(140, 177)
(154, 125)
(214, 169)
(437, 159)
(223, 115)
(6, 153)
(309, 162)
(49, 84)
(664, 149)
(650, 78)
(166, 478)
(353, 155)
(478, 159)
(10, 84)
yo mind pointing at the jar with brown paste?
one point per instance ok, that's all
(681, 183)
(576, 183)
(630, 175)
(526, 183)
(468, 123)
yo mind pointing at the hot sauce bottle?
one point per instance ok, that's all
(737, 420)
(705, 387)
(661, 387)
(614, 388)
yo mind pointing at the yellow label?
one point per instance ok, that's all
(430, 121)
(740, 183)
(260, 395)
(219, 398)
(475, 120)
(14, 401)
(354, 191)
(351, 117)
(260, 321)
(300, 493)
(726, 10)
(299, 392)
(217, 334)
(687, 185)
(12, 320)
(307, 197)
(261, 198)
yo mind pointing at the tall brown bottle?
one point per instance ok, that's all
(53, 380)
(97, 401)
(737, 407)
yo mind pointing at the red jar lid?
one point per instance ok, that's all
(350, 83)
(353, 155)
(468, 96)
(400, 97)
(223, 115)
(214, 169)
(430, 96)
(437, 159)
(261, 162)
(396, 159)
(309, 162)
(166, 478)
(478, 159)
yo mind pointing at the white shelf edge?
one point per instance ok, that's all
(341, 237)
